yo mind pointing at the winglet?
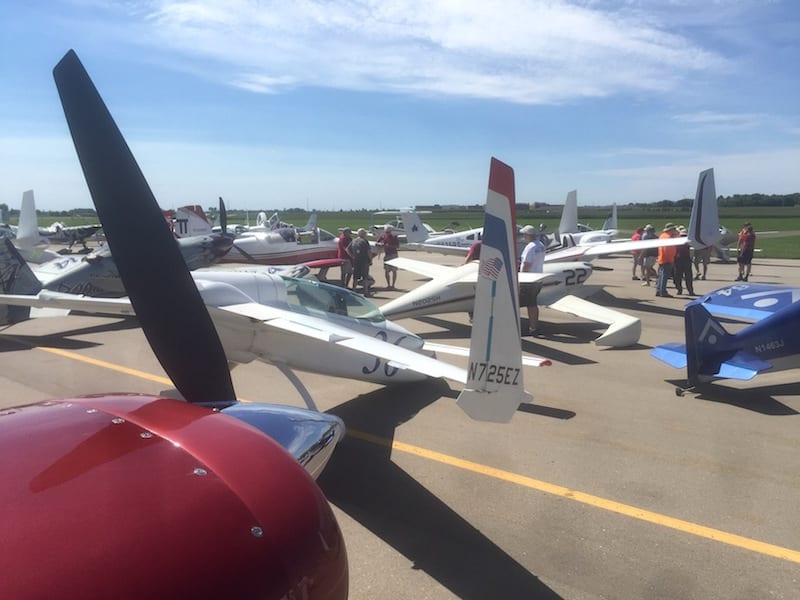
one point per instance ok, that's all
(495, 385)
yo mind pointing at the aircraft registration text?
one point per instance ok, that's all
(491, 373)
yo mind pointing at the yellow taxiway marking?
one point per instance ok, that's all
(105, 364)
(507, 476)
(596, 501)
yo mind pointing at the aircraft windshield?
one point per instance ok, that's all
(310, 296)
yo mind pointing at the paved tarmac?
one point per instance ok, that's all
(607, 486)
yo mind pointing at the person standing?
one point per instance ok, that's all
(649, 255)
(474, 252)
(666, 261)
(683, 266)
(531, 261)
(390, 243)
(362, 259)
(746, 247)
(343, 253)
(702, 256)
(638, 255)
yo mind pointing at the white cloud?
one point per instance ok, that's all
(522, 51)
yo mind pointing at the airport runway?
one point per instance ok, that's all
(607, 486)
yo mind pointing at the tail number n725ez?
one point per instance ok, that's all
(491, 373)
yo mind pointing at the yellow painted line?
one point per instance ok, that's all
(595, 501)
(105, 364)
(542, 486)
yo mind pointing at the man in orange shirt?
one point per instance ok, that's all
(666, 260)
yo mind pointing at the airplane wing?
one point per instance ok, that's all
(59, 300)
(265, 316)
(605, 248)
(742, 365)
(623, 330)
(420, 267)
(294, 323)
(749, 302)
(529, 360)
(437, 248)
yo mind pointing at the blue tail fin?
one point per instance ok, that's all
(708, 345)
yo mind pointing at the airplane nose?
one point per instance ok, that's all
(221, 245)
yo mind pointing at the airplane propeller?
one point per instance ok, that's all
(177, 325)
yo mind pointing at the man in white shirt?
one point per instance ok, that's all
(531, 261)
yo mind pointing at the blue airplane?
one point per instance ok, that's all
(771, 343)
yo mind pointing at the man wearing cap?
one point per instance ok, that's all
(666, 261)
(531, 261)
(390, 243)
(343, 252)
(362, 259)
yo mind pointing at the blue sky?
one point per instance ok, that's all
(361, 104)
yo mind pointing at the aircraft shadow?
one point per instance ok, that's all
(564, 334)
(758, 400)
(362, 480)
(604, 298)
(62, 339)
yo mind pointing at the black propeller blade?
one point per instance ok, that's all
(162, 292)
(223, 217)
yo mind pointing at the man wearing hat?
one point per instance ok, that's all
(531, 261)
(343, 252)
(666, 261)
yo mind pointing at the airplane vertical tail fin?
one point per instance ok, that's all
(190, 221)
(611, 222)
(415, 230)
(16, 277)
(495, 388)
(28, 229)
(569, 214)
(704, 222)
(312, 222)
(708, 344)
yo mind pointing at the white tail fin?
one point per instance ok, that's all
(495, 386)
(704, 222)
(412, 224)
(569, 215)
(191, 221)
(611, 222)
(28, 229)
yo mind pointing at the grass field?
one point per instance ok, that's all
(785, 220)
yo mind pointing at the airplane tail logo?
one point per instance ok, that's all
(491, 268)
(495, 387)
(708, 345)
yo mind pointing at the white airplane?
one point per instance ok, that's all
(452, 289)
(399, 226)
(96, 274)
(283, 246)
(295, 324)
(419, 237)
(27, 239)
(583, 234)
